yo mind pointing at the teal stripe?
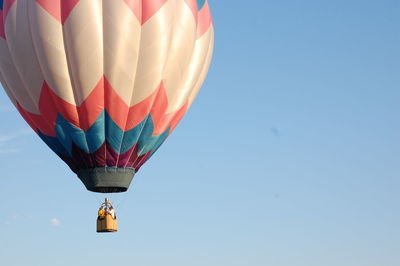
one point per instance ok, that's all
(104, 128)
(119, 140)
(200, 4)
(54, 144)
(89, 141)
(147, 142)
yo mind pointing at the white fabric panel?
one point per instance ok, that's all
(23, 56)
(83, 38)
(154, 48)
(7, 89)
(13, 80)
(193, 72)
(48, 40)
(104, 37)
(207, 42)
(121, 47)
(183, 40)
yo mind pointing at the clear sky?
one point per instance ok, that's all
(289, 157)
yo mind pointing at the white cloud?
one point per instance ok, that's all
(6, 139)
(10, 220)
(9, 151)
(55, 222)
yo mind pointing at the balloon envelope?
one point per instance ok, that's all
(104, 82)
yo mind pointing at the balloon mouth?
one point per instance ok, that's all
(108, 189)
(106, 179)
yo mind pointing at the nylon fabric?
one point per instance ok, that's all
(104, 83)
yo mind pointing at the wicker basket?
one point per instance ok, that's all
(107, 224)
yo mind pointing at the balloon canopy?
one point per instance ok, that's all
(104, 82)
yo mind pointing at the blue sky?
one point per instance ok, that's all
(289, 157)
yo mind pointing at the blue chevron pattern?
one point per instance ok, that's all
(104, 130)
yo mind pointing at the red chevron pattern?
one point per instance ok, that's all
(193, 6)
(2, 32)
(103, 97)
(59, 9)
(204, 20)
(143, 10)
(7, 4)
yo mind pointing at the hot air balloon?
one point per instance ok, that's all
(104, 82)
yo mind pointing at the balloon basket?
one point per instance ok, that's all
(107, 224)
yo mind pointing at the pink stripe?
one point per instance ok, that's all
(150, 7)
(161, 119)
(103, 97)
(193, 6)
(204, 20)
(7, 6)
(136, 7)
(59, 9)
(145, 9)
